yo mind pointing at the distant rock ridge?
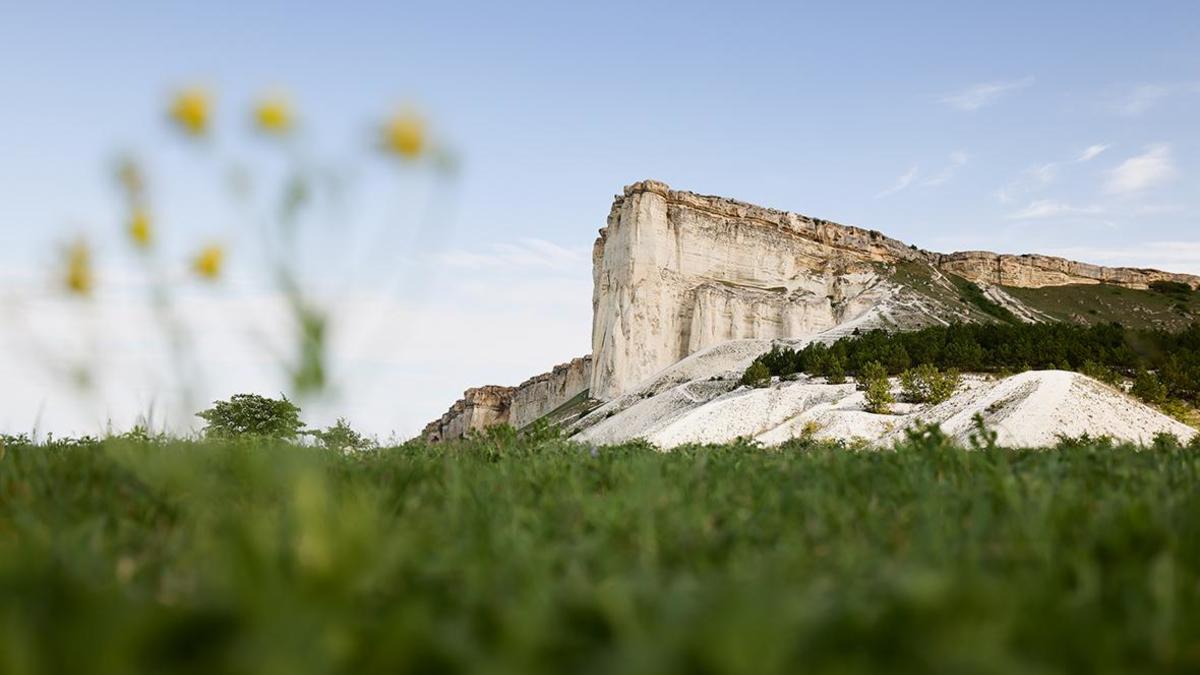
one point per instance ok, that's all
(676, 272)
(519, 406)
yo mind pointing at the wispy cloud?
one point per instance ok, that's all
(983, 94)
(1143, 97)
(527, 252)
(1049, 208)
(957, 160)
(1037, 177)
(1092, 152)
(906, 179)
(1142, 172)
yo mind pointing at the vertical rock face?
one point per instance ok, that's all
(676, 272)
(518, 406)
(542, 394)
(478, 409)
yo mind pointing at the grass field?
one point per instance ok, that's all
(509, 556)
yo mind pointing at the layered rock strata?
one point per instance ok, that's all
(1037, 271)
(478, 409)
(542, 394)
(518, 406)
(675, 272)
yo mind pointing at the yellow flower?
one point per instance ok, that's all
(78, 276)
(273, 115)
(141, 229)
(207, 263)
(404, 135)
(190, 110)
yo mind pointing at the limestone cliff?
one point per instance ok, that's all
(675, 272)
(1038, 271)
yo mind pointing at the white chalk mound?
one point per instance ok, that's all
(1032, 409)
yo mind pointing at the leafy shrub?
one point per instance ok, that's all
(1172, 288)
(872, 372)
(1148, 387)
(874, 381)
(927, 384)
(757, 375)
(341, 437)
(252, 415)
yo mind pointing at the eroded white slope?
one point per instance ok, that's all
(1026, 410)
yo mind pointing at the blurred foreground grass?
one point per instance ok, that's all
(507, 556)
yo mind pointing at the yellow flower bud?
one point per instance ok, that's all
(141, 229)
(273, 115)
(404, 135)
(190, 111)
(78, 275)
(207, 263)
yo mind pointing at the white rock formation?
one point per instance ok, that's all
(1033, 409)
(676, 272)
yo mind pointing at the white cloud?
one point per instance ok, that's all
(527, 253)
(956, 161)
(1049, 208)
(983, 94)
(901, 183)
(1143, 171)
(1092, 152)
(1038, 177)
(1148, 95)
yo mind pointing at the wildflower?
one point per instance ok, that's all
(273, 115)
(404, 135)
(78, 277)
(140, 228)
(190, 110)
(207, 263)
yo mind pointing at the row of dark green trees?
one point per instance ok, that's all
(1166, 362)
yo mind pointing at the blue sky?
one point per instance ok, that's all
(1064, 127)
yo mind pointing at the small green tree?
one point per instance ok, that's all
(943, 384)
(927, 384)
(1148, 387)
(874, 381)
(252, 415)
(837, 372)
(341, 437)
(757, 375)
(870, 372)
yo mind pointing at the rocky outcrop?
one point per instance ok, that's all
(478, 409)
(518, 406)
(675, 272)
(1037, 271)
(542, 394)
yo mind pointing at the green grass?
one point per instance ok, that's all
(531, 556)
(1092, 304)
